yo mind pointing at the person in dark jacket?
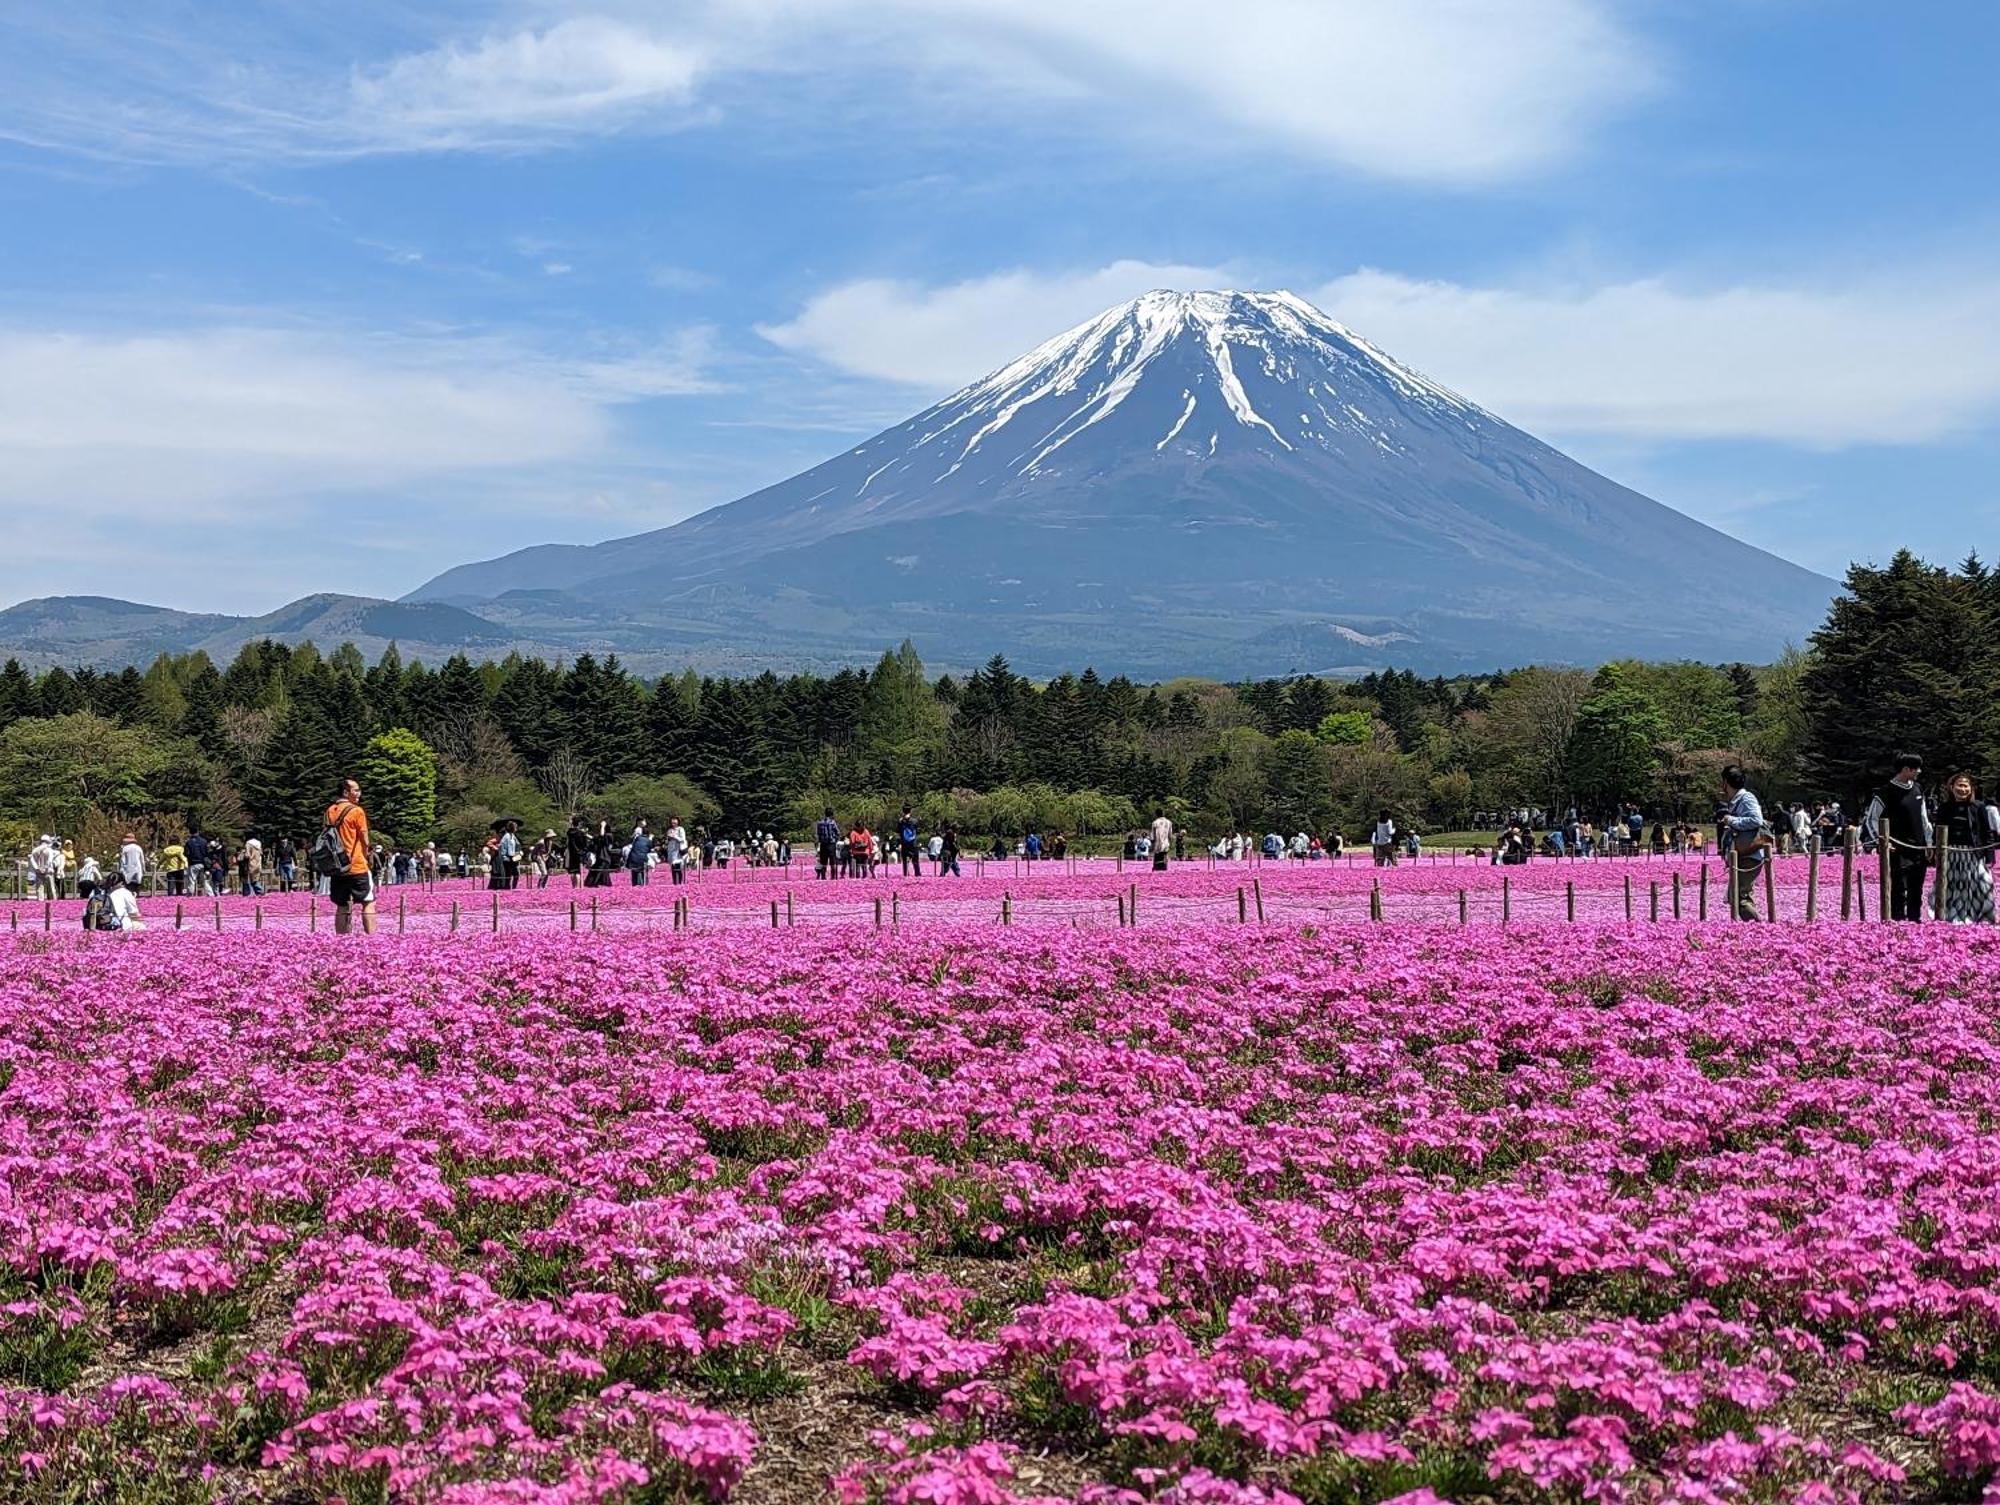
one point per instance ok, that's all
(576, 847)
(1900, 825)
(603, 856)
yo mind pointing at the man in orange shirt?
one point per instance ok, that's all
(357, 884)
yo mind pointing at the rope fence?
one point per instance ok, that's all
(1599, 892)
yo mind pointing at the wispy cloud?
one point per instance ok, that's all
(1900, 361)
(1465, 91)
(1903, 359)
(941, 337)
(589, 73)
(207, 419)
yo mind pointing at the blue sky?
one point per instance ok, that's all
(300, 298)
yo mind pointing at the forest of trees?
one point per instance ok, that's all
(1909, 655)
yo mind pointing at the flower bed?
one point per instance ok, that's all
(1337, 1213)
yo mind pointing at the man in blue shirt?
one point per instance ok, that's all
(1741, 838)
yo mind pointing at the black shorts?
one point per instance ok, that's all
(351, 888)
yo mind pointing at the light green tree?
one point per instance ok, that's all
(902, 724)
(398, 774)
(1616, 741)
(54, 770)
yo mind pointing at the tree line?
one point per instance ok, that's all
(1909, 655)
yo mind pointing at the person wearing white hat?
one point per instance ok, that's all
(42, 860)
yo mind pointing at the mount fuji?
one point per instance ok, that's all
(1208, 482)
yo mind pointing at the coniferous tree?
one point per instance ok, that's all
(1906, 661)
(58, 695)
(19, 695)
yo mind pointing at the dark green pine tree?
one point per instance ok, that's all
(1307, 703)
(289, 790)
(19, 696)
(1905, 661)
(457, 700)
(670, 723)
(56, 694)
(122, 697)
(202, 704)
(1743, 685)
(598, 716)
(382, 686)
(525, 707)
(731, 761)
(419, 697)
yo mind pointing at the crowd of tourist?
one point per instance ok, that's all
(1939, 846)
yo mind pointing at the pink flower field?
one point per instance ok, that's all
(1320, 1212)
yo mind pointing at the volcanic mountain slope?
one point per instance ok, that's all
(1214, 482)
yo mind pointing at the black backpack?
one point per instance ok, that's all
(328, 857)
(98, 913)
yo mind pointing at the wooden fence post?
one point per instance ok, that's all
(178, 917)
(1653, 912)
(454, 917)
(218, 917)
(1461, 907)
(1132, 902)
(496, 914)
(1375, 900)
(788, 909)
(878, 911)
(1006, 909)
(1735, 885)
(402, 914)
(1702, 912)
(1677, 895)
(1847, 848)
(1257, 888)
(593, 914)
(1121, 910)
(774, 914)
(1883, 847)
(1506, 898)
(1242, 906)
(1940, 904)
(256, 917)
(1569, 901)
(572, 914)
(48, 915)
(1812, 881)
(1628, 898)
(1770, 888)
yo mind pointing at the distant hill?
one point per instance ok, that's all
(107, 633)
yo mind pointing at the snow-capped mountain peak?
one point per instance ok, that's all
(1200, 372)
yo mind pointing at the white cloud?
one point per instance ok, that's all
(239, 444)
(1900, 361)
(1452, 91)
(941, 337)
(589, 72)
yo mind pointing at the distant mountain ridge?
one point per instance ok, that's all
(108, 633)
(1211, 483)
